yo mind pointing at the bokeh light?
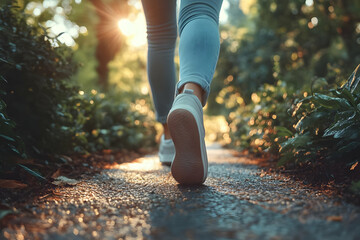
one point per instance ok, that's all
(134, 30)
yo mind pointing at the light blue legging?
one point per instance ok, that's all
(198, 48)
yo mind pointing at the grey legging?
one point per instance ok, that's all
(198, 49)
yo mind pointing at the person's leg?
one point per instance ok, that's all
(199, 51)
(162, 33)
(199, 45)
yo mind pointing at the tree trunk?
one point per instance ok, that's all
(110, 39)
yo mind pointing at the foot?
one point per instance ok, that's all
(166, 151)
(185, 122)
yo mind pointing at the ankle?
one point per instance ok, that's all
(166, 131)
(198, 91)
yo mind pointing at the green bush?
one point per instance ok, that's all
(44, 113)
(324, 125)
(264, 123)
(104, 121)
(329, 127)
(291, 40)
(33, 72)
(320, 131)
(10, 143)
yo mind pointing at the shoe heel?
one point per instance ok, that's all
(187, 167)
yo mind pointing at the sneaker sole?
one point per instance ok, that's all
(187, 167)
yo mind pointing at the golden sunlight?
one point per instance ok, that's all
(134, 30)
(147, 163)
(126, 27)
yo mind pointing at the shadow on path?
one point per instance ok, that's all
(140, 200)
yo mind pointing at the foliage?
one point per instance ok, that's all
(105, 121)
(42, 112)
(322, 129)
(329, 127)
(264, 123)
(33, 87)
(10, 143)
(319, 33)
(277, 77)
(320, 41)
(324, 125)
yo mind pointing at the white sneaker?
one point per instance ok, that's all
(185, 122)
(166, 150)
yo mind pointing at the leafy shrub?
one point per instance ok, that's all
(10, 143)
(329, 127)
(324, 125)
(103, 121)
(265, 46)
(34, 87)
(43, 113)
(321, 131)
(264, 123)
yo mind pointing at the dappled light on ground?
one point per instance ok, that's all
(147, 163)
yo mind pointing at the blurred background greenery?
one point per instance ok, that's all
(73, 79)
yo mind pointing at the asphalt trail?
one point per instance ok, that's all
(140, 200)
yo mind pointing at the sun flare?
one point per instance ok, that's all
(134, 30)
(125, 27)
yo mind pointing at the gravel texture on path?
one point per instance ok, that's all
(141, 200)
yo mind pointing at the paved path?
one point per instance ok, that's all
(140, 200)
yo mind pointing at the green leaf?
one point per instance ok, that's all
(7, 138)
(346, 132)
(2, 78)
(296, 142)
(350, 147)
(18, 67)
(339, 128)
(3, 213)
(14, 149)
(313, 120)
(342, 116)
(283, 131)
(35, 174)
(2, 105)
(353, 81)
(345, 93)
(3, 60)
(2, 116)
(285, 158)
(330, 102)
